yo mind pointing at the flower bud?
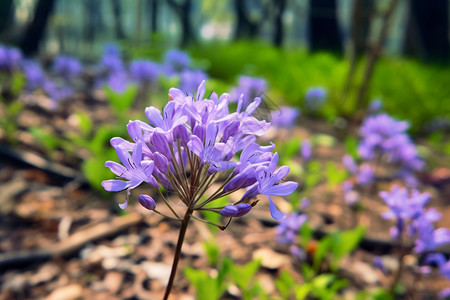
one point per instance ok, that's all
(229, 211)
(147, 202)
(243, 209)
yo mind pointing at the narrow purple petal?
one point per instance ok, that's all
(274, 212)
(114, 185)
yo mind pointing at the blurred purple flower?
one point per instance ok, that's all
(349, 164)
(306, 150)
(10, 58)
(191, 79)
(250, 87)
(284, 117)
(67, 67)
(365, 174)
(144, 71)
(34, 75)
(176, 61)
(289, 227)
(315, 98)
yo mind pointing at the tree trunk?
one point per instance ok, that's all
(427, 34)
(323, 26)
(36, 29)
(94, 22)
(183, 10)
(6, 15)
(117, 12)
(153, 13)
(278, 37)
(245, 28)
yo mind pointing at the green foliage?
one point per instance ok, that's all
(337, 245)
(212, 251)
(213, 286)
(313, 174)
(121, 101)
(334, 175)
(351, 146)
(45, 138)
(9, 121)
(290, 72)
(207, 286)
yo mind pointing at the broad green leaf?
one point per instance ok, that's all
(334, 175)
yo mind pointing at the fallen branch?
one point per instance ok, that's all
(70, 246)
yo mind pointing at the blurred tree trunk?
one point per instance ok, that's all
(323, 26)
(35, 30)
(245, 27)
(7, 9)
(152, 8)
(117, 12)
(427, 33)
(279, 8)
(183, 10)
(94, 22)
(359, 31)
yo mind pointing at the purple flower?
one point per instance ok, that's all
(365, 174)
(267, 177)
(349, 164)
(306, 150)
(10, 58)
(190, 143)
(375, 106)
(284, 117)
(315, 98)
(250, 87)
(191, 79)
(289, 227)
(134, 170)
(144, 71)
(383, 135)
(67, 67)
(350, 195)
(34, 75)
(444, 294)
(176, 61)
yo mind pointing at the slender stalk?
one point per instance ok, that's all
(176, 258)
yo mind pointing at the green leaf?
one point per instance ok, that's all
(285, 284)
(205, 285)
(121, 101)
(345, 242)
(322, 249)
(212, 251)
(302, 291)
(85, 123)
(242, 276)
(43, 137)
(351, 146)
(17, 83)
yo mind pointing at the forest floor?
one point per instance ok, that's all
(59, 239)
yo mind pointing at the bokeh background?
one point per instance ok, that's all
(73, 73)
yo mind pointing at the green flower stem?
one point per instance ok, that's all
(176, 258)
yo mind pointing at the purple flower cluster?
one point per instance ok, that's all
(383, 135)
(144, 71)
(409, 213)
(289, 227)
(67, 67)
(192, 142)
(176, 61)
(10, 59)
(250, 87)
(34, 75)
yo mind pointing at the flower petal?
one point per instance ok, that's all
(282, 189)
(114, 185)
(274, 212)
